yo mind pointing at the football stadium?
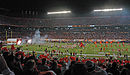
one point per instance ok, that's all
(65, 37)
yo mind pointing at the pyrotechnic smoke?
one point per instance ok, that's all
(37, 39)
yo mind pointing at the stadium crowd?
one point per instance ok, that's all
(19, 63)
(106, 20)
(116, 27)
(90, 35)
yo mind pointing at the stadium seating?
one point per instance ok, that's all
(116, 27)
(20, 63)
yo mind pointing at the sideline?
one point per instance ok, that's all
(76, 54)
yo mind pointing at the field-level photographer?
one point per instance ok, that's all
(4, 69)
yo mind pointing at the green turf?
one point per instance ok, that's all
(89, 48)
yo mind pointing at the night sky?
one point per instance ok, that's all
(76, 6)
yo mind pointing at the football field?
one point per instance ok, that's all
(89, 48)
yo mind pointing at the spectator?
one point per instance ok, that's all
(55, 68)
(126, 70)
(30, 68)
(42, 66)
(114, 69)
(4, 69)
(94, 70)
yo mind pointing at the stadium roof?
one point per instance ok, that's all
(41, 7)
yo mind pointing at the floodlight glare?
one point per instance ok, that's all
(59, 12)
(105, 10)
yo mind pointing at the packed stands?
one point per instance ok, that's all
(20, 63)
(116, 27)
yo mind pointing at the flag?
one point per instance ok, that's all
(81, 44)
(123, 43)
(104, 48)
(111, 45)
(111, 42)
(95, 45)
(118, 42)
(119, 45)
(95, 42)
(127, 49)
(112, 49)
(100, 42)
(106, 42)
(101, 45)
(106, 45)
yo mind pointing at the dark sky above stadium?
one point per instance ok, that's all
(77, 6)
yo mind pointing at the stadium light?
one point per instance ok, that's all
(60, 12)
(105, 10)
